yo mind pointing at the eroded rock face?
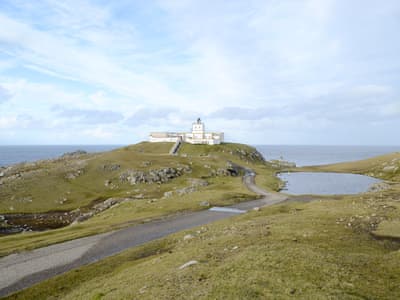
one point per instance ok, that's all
(153, 176)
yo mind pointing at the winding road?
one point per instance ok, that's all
(22, 270)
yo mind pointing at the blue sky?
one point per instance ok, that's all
(264, 72)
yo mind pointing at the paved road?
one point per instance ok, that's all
(22, 270)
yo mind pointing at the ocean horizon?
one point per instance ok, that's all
(13, 154)
(300, 154)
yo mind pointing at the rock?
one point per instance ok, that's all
(188, 264)
(110, 167)
(153, 176)
(389, 169)
(188, 237)
(107, 182)
(143, 289)
(204, 203)
(106, 204)
(168, 194)
(1, 174)
(186, 190)
(256, 208)
(379, 186)
(198, 182)
(75, 153)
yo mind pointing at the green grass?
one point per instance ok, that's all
(221, 190)
(324, 249)
(295, 250)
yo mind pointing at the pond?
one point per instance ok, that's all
(298, 183)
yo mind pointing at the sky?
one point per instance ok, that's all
(324, 72)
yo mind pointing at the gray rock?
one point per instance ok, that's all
(110, 167)
(188, 237)
(204, 203)
(168, 194)
(74, 153)
(153, 176)
(389, 169)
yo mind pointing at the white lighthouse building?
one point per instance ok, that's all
(197, 136)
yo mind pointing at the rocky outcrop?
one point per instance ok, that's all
(231, 169)
(74, 153)
(153, 176)
(252, 156)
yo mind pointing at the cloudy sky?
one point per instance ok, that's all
(264, 72)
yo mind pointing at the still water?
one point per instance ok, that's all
(298, 183)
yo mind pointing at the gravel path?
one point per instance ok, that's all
(22, 270)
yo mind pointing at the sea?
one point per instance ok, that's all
(308, 155)
(302, 155)
(16, 154)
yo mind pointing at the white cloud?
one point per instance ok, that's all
(284, 66)
(99, 133)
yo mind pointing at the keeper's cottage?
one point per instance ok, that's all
(197, 136)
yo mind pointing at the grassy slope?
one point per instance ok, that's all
(220, 191)
(317, 250)
(386, 167)
(297, 250)
(373, 167)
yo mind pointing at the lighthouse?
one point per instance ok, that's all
(198, 135)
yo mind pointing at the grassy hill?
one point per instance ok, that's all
(74, 185)
(329, 248)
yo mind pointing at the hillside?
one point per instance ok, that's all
(385, 167)
(104, 191)
(342, 247)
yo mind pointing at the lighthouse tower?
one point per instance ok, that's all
(198, 130)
